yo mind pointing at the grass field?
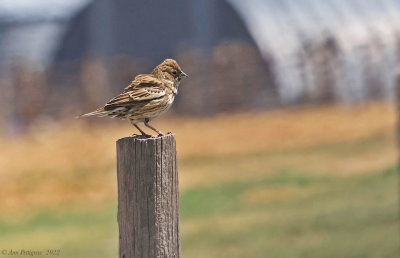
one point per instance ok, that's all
(299, 182)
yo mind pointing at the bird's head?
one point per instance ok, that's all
(169, 69)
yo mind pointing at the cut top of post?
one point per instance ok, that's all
(141, 138)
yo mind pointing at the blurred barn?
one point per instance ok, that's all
(60, 57)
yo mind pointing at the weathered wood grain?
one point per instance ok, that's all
(148, 197)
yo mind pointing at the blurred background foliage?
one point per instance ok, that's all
(285, 128)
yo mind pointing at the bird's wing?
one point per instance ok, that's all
(143, 80)
(143, 89)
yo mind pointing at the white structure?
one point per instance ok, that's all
(366, 34)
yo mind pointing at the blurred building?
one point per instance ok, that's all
(150, 30)
(57, 31)
(338, 50)
(31, 31)
(240, 54)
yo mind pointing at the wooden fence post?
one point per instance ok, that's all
(397, 92)
(397, 101)
(148, 197)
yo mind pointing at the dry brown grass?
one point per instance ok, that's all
(281, 129)
(73, 161)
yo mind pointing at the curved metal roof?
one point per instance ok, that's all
(39, 10)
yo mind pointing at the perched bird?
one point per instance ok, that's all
(148, 96)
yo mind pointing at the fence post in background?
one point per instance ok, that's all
(397, 101)
(397, 92)
(148, 198)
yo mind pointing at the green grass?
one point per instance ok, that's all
(75, 232)
(295, 209)
(327, 216)
(353, 216)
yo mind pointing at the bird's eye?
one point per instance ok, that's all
(174, 72)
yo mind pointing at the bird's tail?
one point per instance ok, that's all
(98, 112)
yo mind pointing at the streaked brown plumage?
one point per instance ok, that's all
(148, 96)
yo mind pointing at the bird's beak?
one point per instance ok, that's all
(184, 74)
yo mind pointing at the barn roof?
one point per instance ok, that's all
(12, 11)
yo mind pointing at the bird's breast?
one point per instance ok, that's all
(171, 99)
(173, 86)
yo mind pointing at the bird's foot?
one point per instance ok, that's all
(160, 133)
